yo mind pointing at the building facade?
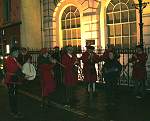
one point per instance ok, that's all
(50, 23)
(95, 22)
(9, 23)
(20, 24)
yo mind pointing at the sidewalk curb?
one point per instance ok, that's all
(60, 106)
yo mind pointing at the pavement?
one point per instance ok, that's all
(123, 107)
(29, 106)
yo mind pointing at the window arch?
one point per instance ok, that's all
(121, 23)
(71, 31)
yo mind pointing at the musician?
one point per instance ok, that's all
(139, 72)
(12, 66)
(69, 60)
(46, 64)
(105, 55)
(23, 56)
(111, 72)
(89, 58)
(58, 70)
(28, 69)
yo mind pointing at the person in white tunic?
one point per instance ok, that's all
(29, 70)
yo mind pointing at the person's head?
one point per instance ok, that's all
(139, 49)
(14, 51)
(69, 49)
(111, 55)
(111, 47)
(90, 48)
(24, 51)
(44, 52)
(56, 49)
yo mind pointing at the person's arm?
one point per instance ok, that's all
(18, 64)
(143, 59)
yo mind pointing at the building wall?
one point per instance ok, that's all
(85, 7)
(1, 12)
(89, 17)
(30, 16)
(146, 26)
(10, 27)
(31, 21)
(31, 24)
(15, 10)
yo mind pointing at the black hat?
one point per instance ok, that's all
(90, 47)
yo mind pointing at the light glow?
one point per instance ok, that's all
(7, 49)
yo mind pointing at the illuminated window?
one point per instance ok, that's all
(121, 23)
(71, 26)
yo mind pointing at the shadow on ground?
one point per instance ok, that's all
(122, 107)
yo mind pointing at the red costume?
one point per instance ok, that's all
(139, 66)
(70, 73)
(48, 85)
(46, 73)
(89, 69)
(11, 66)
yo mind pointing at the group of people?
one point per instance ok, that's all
(65, 69)
(62, 67)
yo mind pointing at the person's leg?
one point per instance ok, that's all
(45, 99)
(94, 86)
(114, 86)
(142, 87)
(67, 94)
(72, 98)
(136, 87)
(12, 92)
(89, 87)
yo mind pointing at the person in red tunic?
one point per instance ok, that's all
(11, 67)
(89, 59)
(139, 72)
(69, 60)
(45, 65)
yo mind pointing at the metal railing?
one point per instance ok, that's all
(126, 74)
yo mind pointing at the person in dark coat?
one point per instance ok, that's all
(11, 67)
(89, 59)
(139, 72)
(111, 72)
(23, 56)
(58, 69)
(45, 65)
(69, 60)
(105, 55)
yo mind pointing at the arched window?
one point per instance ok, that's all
(121, 23)
(71, 26)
